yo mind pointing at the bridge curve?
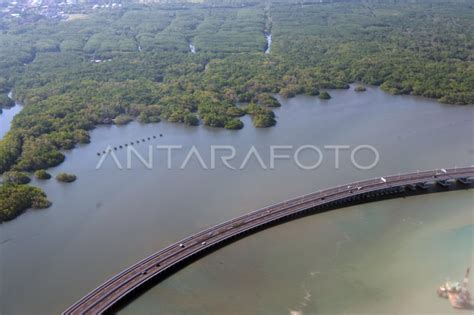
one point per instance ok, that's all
(171, 258)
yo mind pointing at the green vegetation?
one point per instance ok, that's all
(360, 88)
(42, 174)
(191, 119)
(262, 117)
(10, 150)
(14, 177)
(14, 199)
(266, 99)
(264, 120)
(122, 119)
(135, 63)
(324, 95)
(5, 101)
(43, 152)
(66, 178)
(234, 124)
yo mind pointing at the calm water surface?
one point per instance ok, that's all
(381, 258)
(6, 118)
(386, 257)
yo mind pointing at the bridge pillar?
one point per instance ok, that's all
(422, 185)
(443, 183)
(464, 181)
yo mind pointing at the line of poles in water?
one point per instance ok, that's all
(127, 144)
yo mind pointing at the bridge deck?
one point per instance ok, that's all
(118, 287)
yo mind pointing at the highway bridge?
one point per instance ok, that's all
(117, 290)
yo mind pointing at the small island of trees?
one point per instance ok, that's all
(66, 178)
(324, 95)
(234, 124)
(264, 120)
(42, 174)
(360, 88)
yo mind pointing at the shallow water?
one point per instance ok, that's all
(6, 118)
(381, 258)
(110, 218)
(268, 37)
